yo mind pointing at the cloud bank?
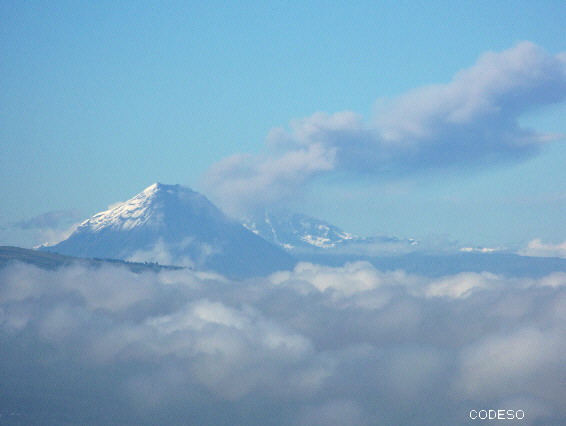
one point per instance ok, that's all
(314, 346)
(470, 122)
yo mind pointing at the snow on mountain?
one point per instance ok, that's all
(172, 224)
(294, 231)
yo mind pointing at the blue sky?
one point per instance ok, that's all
(101, 99)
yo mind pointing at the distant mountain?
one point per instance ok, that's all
(297, 232)
(174, 225)
(314, 240)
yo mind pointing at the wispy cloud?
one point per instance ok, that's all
(50, 227)
(53, 219)
(315, 345)
(470, 122)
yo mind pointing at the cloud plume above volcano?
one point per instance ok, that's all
(469, 122)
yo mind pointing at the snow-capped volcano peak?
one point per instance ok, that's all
(172, 224)
(148, 208)
(127, 215)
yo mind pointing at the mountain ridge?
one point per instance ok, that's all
(52, 261)
(297, 232)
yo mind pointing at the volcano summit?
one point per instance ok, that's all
(172, 224)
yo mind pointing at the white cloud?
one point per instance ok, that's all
(468, 122)
(539, 249)
(243, 182)
(350, 279)
(315, 345)
(554, 280)
(462, 285)
(51, 236)
(527, 360)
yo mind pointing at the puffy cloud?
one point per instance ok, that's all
(462, 285)
(480, 100)
(539, 249)
(238, 181)
(527, 360)
(315, 345)
(471, 121)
